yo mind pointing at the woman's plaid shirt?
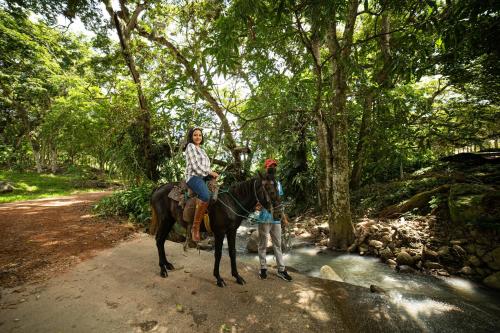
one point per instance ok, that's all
(197, 162)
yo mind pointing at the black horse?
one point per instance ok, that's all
(226, 215)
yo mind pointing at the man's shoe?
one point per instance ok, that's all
(285, 276)
(263, 274)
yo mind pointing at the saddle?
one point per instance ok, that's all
(187, 199)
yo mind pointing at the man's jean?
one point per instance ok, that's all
(275, 230)
(198, 186)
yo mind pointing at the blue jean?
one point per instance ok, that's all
(198, 186)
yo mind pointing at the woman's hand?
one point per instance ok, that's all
(214, 174)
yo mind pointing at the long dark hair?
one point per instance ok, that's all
(190, 137)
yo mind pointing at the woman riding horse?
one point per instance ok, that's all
(197, 169)
(226, 214)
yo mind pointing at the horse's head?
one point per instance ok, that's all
(266, 192)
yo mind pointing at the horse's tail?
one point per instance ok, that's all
(153, 226)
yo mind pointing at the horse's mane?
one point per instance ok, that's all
(244, 188)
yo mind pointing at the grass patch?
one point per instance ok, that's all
(31, 185)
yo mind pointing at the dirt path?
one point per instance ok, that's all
(42, 238)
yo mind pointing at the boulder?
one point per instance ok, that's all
(376, 244)
(385, 254)
(326, 272)
(474, 204)
(492, 259)
(404, 258)
(253, 243)
(493, 281)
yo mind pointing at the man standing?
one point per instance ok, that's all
(267, 225)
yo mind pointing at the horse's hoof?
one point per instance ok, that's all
(164, 269)
(221, 283)
(240, 280)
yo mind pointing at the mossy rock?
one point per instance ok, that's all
(474, 204)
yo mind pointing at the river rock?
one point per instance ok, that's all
(474, 261)
(429, 254)
(326, 272)
(432, 265)
(493, 281)
(492, 259)
(443, 272)
(404, 258)
(386, 239)
(253, 243)
(385, 254)
(465, 270)
(459, 251)
(377, 289)
(363, 248)
(324, 242)
(470, 248)
(405, 269)
(481, 272)
(446, 257)
(481, 250)
(458, 241)
(376, 244)
(391, 262)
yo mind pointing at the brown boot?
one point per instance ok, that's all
(201, 208)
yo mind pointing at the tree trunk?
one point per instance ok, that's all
(124, 25)
(37, 154)
(313, 45)
(341, 228)
(360, 154)
(53, 159)
(383, 80)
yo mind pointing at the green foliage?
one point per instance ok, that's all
(132, 203)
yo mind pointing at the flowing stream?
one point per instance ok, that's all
(424, 298)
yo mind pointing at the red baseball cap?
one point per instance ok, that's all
(270, 162)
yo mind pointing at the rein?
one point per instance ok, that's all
(241, 206)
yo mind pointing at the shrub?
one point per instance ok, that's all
(132, 202)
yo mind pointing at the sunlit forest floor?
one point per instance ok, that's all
(32, 185)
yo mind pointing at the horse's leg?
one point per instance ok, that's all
(166, 224)
(219, 240)
(231, 242)
(188, 236)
